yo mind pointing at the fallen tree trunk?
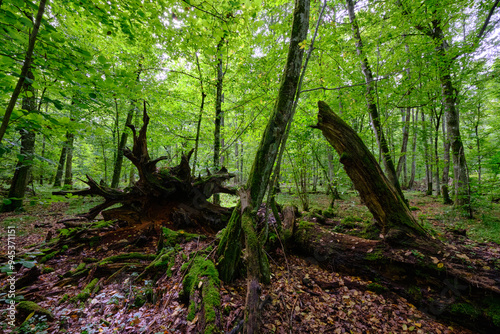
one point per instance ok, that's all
(440, 284)
(389, 210)
(168, 194)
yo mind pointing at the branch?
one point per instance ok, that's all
(487, 21)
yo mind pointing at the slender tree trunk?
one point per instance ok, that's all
(42, 172)
(478, 144)
(68, 173)
(117, 170)
(446, 167)
(404, 145)
(23, 168)
(241, 225)
(371, 103)
(60, 165)
(200, 116)
(437, 124)
(428, 166)
(24, 70)
(414, 151)
(218, 114)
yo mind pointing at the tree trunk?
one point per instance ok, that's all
(427, 158)
(60, 165)
(23, 168)
(428, 277)
(388, 208)
(117, 170)
(218, 113)
(446, 168)
(25, 70)
(230, 246)
(371, 103)
(404, 145)
(68, 173)
(200, 117)
(414, 151)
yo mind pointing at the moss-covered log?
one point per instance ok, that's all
(438, 283)
(388, 208)
(201, 290)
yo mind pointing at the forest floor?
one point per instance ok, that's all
(302, 297)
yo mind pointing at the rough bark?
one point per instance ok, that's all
(60, 166)
(371, 103)
(414, 151)
(377, 192)
(446, 167)
(24, 70)
(404, 144)
(230, 245)
(429, 278)
(168, 194)
(119, 151)
(218, 113)
(68, 173)
(23, 168)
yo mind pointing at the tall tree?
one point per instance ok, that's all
(371, 101)
(241, 223)
(24, 70)
(14, 200)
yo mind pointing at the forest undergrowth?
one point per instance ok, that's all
(75, 297)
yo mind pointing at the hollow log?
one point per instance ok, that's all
(387, 207)
(166, 194)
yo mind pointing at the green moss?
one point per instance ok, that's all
(25, 308)
(48, 256)
(229, 249)
(375, 255)
(465, 309)
(415, 292)
(493, 310)
(163, 261)
(377, 288)
(203, 271)
(87, 291)
(127, 256)
(64, 248)
(171, 237)
(64, 298)
(47, 270)
(305, 225)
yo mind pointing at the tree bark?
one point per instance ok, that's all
(427, 158)
(60, 165)
(218, 113)
(446, 167)
(377, 192)
(68, 173)
(371, 103)
(404, 144)
(24, 70)
(414, 151)
(23, 168)
(242, 224)
(117, 170)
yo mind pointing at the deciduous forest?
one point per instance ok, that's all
(199, 166)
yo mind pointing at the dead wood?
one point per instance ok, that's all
(168, 194)
(438, 282)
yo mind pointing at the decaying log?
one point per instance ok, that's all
(387, 207)
(168, 194)
(439, 283)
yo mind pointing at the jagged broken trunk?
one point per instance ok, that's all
(166, 195)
